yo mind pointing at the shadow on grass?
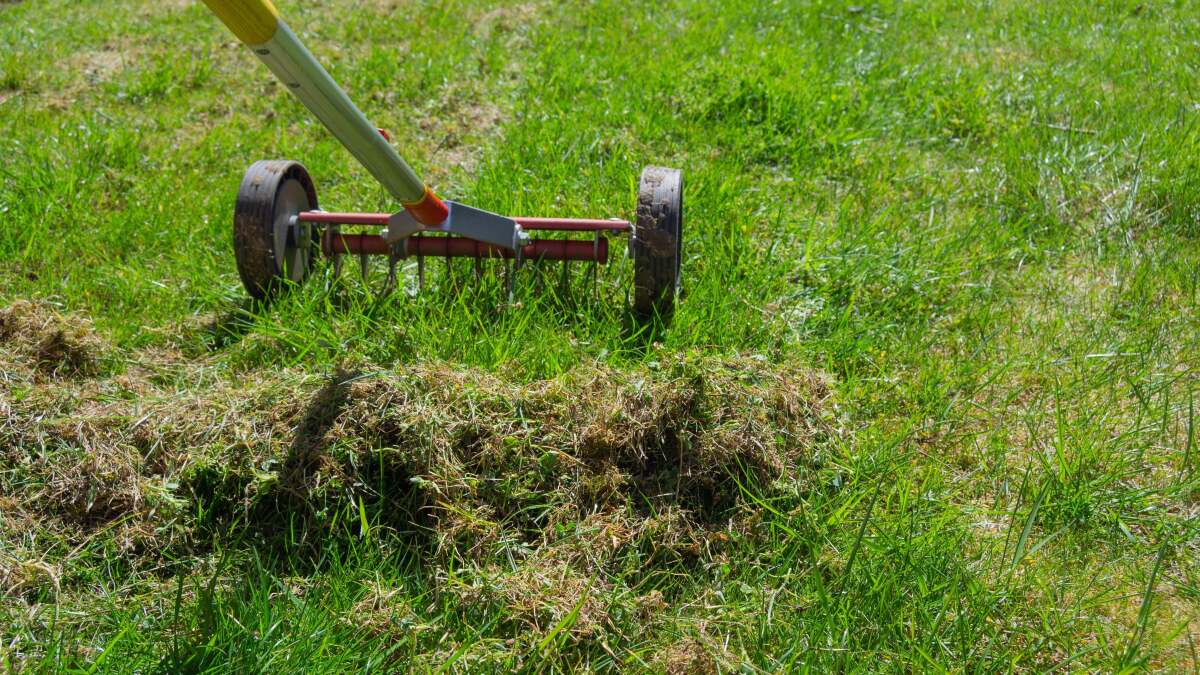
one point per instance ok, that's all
(319, 497)
(307, 508)
(324, 408)
(639, 333)
(230, 326)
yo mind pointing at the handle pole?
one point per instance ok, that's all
(258, 25)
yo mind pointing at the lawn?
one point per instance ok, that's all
(927, 402)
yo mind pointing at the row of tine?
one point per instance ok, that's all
(512, 267)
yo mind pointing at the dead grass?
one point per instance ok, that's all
(100, 65)
(37, 338)
(512, 21)
(535, 488)
(688, 656)
(460, 122)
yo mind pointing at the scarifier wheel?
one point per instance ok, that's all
(270, 247)
(658, 242)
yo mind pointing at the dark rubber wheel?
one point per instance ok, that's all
(272, 250)
(658, 242)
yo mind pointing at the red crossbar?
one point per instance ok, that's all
(556, 224)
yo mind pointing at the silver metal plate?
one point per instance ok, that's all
(473, 223)
(463, 221)
(401, 225)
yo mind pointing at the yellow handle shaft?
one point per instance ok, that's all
(252, 21)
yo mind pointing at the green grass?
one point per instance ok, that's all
(981, 220)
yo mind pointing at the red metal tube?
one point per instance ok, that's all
(334, 218)
(459, 247)
(573, 224)
(555, 224)
(371, 244)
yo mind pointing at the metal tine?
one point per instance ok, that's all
(510, 268)
(478, 267)
(334, 233)
(564, 282)
(420, 272)
(518, 263)
(595, 263)
(390, 284)
(364, 266)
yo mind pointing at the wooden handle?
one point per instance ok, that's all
(252, 21)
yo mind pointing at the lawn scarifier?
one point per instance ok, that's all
(278, 226)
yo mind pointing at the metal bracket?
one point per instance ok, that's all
(463, 221)
(401, 225)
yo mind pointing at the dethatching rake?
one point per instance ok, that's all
(278, 227)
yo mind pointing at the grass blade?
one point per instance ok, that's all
(1023, 540)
